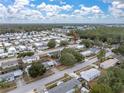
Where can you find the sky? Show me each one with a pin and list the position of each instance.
(61, 11)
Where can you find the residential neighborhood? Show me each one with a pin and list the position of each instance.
(68, 63)
(61, 46)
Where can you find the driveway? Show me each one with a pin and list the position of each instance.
(20, 82)
(40, 83)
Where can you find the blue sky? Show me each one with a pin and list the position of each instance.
(61, 11)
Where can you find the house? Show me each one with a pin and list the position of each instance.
(95, 50)
(11, 76)
(1, 50)
(7, 44)
(49, 64)
(109, 63)
(80, 46)
(12, 50)
(30, 59)
(90, 74)
(38, 45)
(67, 87)
(52, 52)
(109, 54)
(86, 53)
(7, 77)
(17, 73)
(9, 64)
(22, 48)
(3, 55)
(1, 44)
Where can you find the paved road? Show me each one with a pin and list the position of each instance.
(40, 83)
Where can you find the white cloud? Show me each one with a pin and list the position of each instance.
(117, 9)
(51, 0)
(88, 10)
(3, 12)
(26, 11)
(109, 1)
(53, 8)
(20, 10)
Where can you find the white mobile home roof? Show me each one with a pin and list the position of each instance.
(80, 46)
(86, 53)
(1, 51)
(90, 74)
(109, 63)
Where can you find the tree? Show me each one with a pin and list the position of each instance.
(121, 49)
(114, 78)
(22, 65)
(75, 53)
(97, 42)
(51, 43)
(101, 55)
(4, 84)
(63, 43)
(87, 42)
(105, 34)
(109, 40)
(101, 88)
(77, 89)
(67, 59)
(36, 69)
(25, 54)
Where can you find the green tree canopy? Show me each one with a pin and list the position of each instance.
(101, 88)
(101, 54)
(121, 49)
(114, 78)
(51, 43)
(67, 59)
(63, 43)
(25, 54)
(75, 53)
(36, 69)
(87, 42)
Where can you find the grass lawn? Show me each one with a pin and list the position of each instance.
(11, 86)
(83, 69)
(62, 67)
(53, 84)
